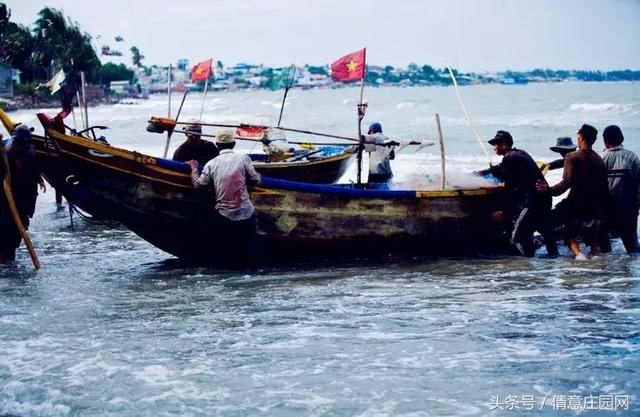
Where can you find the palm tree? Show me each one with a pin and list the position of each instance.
(137, 57)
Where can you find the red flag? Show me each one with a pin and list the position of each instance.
(201, 71)
(349, 67)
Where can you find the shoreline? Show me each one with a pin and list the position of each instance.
(28, 103)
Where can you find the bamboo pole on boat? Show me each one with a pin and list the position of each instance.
(80, 108)
(84, 100)
(166, 145)
(170, 132)
(286, 91)
(466, 113)
(184, 96)
(73, 75)
(204, 96)
(6, 185)
(361, 112)
(286, 129)
(442, 160)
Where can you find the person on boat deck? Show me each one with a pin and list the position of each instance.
(234, 215)
(585, 175)
(623, 170)
(194, 147)
(380, 150)
(564, 145)
(525, 210)
(25, 179)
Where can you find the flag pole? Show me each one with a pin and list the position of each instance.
(361, 112)
(204, 96)
(442, 160)
(286, 91)
(84, 101)
(166, 145)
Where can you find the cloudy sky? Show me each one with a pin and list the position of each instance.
(472, 35)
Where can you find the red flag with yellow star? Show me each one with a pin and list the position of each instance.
(201, 71)
(349, 67)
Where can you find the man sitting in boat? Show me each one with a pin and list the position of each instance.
(275, 146)
(526, 210)
(194, 147)
(234, 216)
(25, 179)
(380, 150)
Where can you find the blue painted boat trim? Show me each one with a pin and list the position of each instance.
(171, 164)
(347, 190)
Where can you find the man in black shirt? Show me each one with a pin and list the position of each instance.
(25, 179)
(195, 147)
(526, 210)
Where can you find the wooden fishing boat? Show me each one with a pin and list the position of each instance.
(317, 167)
(323, 165)
(154, 198)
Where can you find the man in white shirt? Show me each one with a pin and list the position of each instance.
(380, 152)
(230, 173)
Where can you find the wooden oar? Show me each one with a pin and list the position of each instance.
(6, 185)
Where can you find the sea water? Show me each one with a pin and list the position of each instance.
(112, 326)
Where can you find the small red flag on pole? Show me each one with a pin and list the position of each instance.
(201, 71)
(350, 67)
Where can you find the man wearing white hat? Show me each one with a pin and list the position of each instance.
(230, 173)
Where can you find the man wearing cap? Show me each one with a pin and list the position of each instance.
(25, 179)
(380, 153)
(585, 175)
(195, 147)
(623, 168)
(527, 210)
(229, 174)
(564, 145)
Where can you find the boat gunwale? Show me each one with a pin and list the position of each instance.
(267, 182)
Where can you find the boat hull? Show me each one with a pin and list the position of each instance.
(294, 219)
(155, 199)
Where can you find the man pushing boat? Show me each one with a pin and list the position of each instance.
(234, 215)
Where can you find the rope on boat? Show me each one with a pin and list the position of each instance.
(73, 209)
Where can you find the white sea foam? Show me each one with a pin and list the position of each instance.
(600, 107)
(622, 344)
(407, 105)
(153, 374)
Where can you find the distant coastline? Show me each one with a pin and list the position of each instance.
(98, 96)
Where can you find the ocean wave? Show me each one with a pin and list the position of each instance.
(600, 107)
(406, 105)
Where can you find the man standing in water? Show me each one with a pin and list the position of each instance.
(585, 174)
(25, 179)
(234, 215)
(526, 209)
(624, 185)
